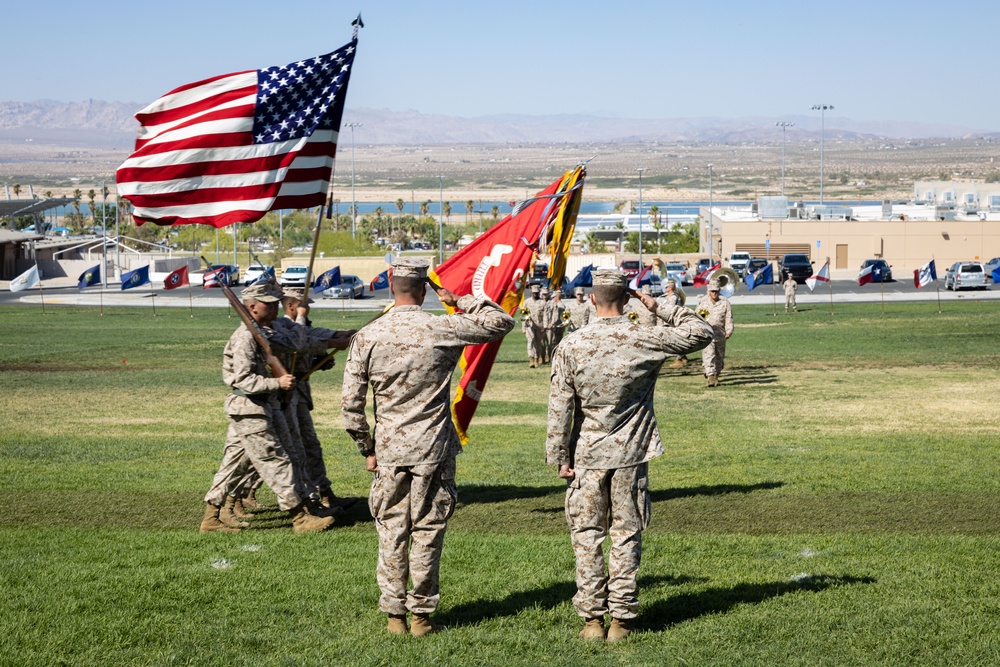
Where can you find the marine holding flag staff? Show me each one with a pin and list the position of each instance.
(408, 357)
(602, 433)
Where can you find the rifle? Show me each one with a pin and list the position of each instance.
(322, 362)
(276, 368)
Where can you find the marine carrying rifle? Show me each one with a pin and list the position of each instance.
(272, 361)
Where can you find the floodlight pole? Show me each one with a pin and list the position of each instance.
(784, 126)
(441, 220)
(640, 170)
(354, 201)
(822, 109)
(711, 220)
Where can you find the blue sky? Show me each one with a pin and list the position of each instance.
(875, 60)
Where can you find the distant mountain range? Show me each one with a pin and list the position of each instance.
(110, 125)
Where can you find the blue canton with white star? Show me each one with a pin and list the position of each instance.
(296, 100)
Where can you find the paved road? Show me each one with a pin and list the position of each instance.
(844, 291)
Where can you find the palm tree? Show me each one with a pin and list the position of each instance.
(447, 211)
(594, 242)
(620, 226)
(47, 194)
(399, 208)
(425, 207)
(17, 190)
(654, 218)
(469, 205)
(91, 196)
(495, 211)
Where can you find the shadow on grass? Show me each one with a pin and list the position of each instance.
(661, 495)
(748, 375)
(478, 493)
(712, 490)
(547, 597)
(663, 614)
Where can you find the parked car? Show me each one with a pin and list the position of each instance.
(965, 274)
(294, 276)
(991, 266)
(350, 287)
(679, 273)
(631, 267)
(738, 262)
(704, 264)
(540, 275)
(754, 265)
(881, 270)
(255, 271)
(797, 266)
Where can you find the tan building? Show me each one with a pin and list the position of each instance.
(905, 235)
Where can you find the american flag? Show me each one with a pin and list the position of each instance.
(231, 148)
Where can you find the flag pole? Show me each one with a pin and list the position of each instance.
(881, 283)
(937, 285)
(153, 295)
(102, 299)
(190, 299)
(830, 282)
(41, 293)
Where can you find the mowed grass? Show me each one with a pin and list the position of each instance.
(835, 502)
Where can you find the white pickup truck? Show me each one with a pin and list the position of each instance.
(738, 262)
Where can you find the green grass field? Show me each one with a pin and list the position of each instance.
(835, 502)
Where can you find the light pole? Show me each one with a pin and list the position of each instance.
(784, 126)
(711, 221)
(441, 220)
(354, 201)
(822, 109)
(640, 170)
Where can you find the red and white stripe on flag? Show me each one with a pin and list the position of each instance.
(823, 276)
(233, 147)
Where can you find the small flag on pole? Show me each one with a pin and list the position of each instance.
(214, 277)
(866, 276)
(91, 276)
(822, 277)
(135, 278)
(327, 280)
(925, 275)
(381, 281)
(639, 279)
(763, 276)
(176, 278)
(702, 278)
(26, 280)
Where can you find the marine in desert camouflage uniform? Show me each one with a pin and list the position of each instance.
(716, 310)
(602, 433)
(408, 357)
(581, 310)
(252, 439)
(790, 288)
(555, 322)
(672, 298)
(531, 326)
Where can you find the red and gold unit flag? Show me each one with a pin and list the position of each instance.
(496, 266)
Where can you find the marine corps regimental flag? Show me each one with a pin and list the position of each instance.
(495, 266)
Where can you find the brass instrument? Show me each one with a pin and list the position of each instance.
(680, 295)
(728, 281)
(633, 317)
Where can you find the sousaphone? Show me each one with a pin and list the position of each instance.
(729, 282)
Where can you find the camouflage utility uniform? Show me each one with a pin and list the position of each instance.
(581, 313)
(252, 438)
(601, 424)
(531, 325)
(408, 356)
(720, 316)
(790, 287)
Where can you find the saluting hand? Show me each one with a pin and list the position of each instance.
(447, 297)
(648, 301)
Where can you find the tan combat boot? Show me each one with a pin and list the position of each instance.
(239, 511)
(304, 522)
(593, 628)
(330, 499)
(532, 362)
(619, 630)
(211, 523)
(421, 625)
(227, 517)
(397, 625)
(250, 502)
(679, 363)
(713, 380)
